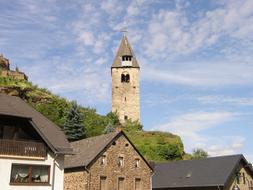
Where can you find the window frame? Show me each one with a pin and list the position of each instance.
(30, 183)
(121, 161)
(137, 162)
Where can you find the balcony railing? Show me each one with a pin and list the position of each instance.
(22, 148)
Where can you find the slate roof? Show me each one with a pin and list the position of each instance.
(213, 171)
(50, 132)
(124, 49)
(87, 150)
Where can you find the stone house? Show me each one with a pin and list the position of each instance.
(214, 173)
(32, 148)
(106, 162)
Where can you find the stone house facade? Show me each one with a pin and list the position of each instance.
(106, 162)
(125, 83)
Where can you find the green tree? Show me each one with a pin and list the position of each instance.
(132, 126)
(73, 127)
(109, 128)
(199, 153)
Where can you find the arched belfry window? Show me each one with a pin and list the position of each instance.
(125, 78)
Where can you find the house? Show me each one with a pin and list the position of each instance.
(106, 162)
(216, 173)
(32, 148)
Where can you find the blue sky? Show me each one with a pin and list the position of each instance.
(196, 60)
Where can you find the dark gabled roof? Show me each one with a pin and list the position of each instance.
(50, 133)
(87, 150)
(213, 171)
(124, 49)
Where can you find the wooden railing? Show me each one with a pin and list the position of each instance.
(22, 148)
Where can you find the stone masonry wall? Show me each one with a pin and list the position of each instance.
(112, 171)
(243, 186)
(126, 96)
(75, 180)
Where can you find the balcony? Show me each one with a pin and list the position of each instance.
(13, 148)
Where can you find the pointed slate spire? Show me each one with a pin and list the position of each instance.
(125, 49)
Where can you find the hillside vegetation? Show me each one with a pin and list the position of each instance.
(155, 146)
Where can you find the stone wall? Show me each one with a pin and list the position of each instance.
(126, 96)
(111, 171)
(243, 184)
(14, 74)
(75, 180)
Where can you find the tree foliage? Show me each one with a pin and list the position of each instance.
(73, 126)
(156, 146)
(199, 153)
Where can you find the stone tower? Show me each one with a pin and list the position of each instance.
(125, 83)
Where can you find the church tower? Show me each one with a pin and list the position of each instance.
(125, 83)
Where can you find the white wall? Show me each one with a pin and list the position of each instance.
(56, 173)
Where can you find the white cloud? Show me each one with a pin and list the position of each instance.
(226, 99)
(195, 122)
(201, 74)
(183, 36)
(86, 37)
(225, 145)
(112, 7)
(191, 127)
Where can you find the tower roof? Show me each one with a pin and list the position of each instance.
(124, 49)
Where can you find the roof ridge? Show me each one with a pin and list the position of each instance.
(192, 160)
(95, 137)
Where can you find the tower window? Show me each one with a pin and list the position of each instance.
(125, 78)
(125, 117)
(126, 58)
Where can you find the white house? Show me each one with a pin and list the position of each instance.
(32, 148)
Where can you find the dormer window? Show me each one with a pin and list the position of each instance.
(126, 60)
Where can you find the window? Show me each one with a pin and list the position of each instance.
(126, 58)
(103, 184)
(125, 78)
(121, 161)
(243, 178)
(103, 160)
(137, 184)
(121, 185)
(238, 176)
(125, 117)
(30, 174)
(137, 162)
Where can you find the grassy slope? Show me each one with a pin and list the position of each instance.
(156, 146)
